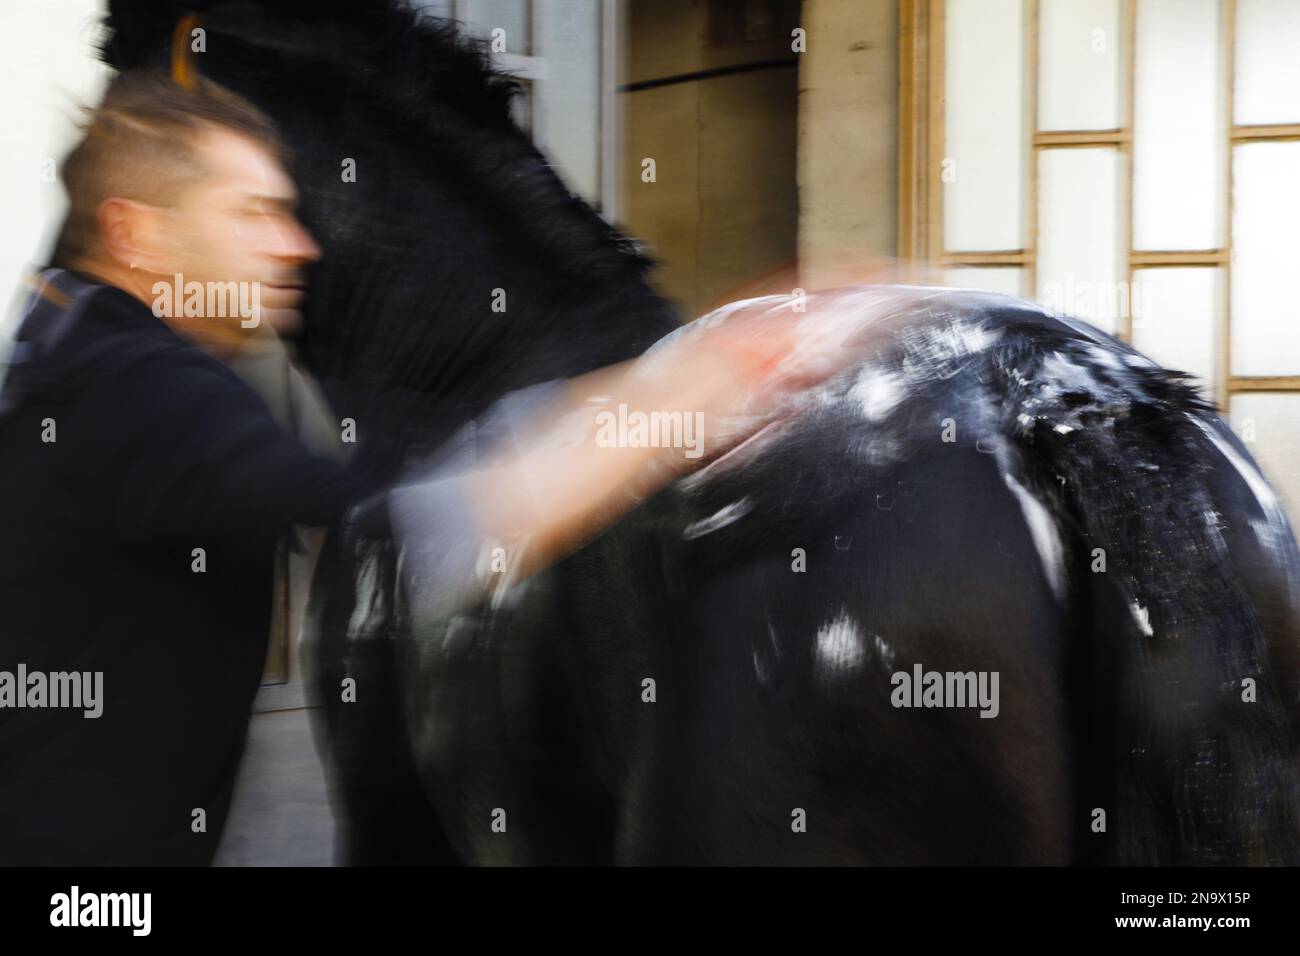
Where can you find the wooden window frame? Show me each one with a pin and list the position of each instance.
(921, 153)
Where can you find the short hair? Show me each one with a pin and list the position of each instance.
(141, 143)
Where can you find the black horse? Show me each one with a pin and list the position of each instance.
(747, 668)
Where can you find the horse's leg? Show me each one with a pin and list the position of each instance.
(383, 816)
(774, 738)
(495, 713)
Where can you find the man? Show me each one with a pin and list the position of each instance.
(144, 485)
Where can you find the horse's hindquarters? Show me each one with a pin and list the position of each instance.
(792, 721)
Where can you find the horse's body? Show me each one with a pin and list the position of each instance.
(995, 492)
(1091, 533)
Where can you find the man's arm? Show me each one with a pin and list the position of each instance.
(555, 484)
(188, 450)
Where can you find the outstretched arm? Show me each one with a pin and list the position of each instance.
(563, 481)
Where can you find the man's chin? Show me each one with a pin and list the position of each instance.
(282, 321)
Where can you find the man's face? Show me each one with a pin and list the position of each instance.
(238, 225)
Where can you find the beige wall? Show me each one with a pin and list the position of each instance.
(724, 206)
(754, 168)
(848, 135)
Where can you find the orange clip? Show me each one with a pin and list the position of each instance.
(184, 73)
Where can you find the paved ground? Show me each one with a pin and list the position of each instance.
(280, 815)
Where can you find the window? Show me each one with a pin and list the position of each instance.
(563, 51)
(1130, 162)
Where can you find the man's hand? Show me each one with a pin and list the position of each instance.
(734, 371)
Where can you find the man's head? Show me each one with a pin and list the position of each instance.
(171, 182)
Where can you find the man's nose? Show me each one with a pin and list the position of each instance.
(296, 243)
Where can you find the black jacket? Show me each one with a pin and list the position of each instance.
(158, 450)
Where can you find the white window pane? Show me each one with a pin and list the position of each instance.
(1269, 424)
(573, 79)
(1005, 279)
(1079, 270)
(1178, 133)
(984, 125)
(1176, 319)
(1079, 64)
(1265, 256)
(512, 16)
(1267, 62)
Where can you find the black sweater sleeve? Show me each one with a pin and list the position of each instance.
(188, 449)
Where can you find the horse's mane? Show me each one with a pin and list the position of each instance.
(139, 35)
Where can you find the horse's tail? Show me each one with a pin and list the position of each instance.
(1190, 581)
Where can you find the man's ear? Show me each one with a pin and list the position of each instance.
(132, 234)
